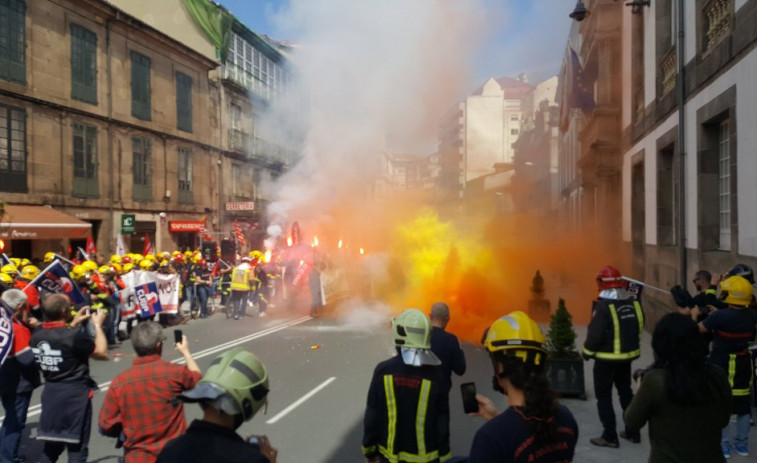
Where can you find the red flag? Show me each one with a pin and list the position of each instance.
(90, 246)
(204, 232)
(148, 247)
(238, 233)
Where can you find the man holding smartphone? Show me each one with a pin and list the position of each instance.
(138, 407)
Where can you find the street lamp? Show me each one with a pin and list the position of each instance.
(580, 12)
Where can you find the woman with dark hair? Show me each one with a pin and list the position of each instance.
(685, 399)
(535, 428)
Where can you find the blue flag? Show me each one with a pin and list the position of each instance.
(6, 331)
(146, 299)
(55, 279)
(5, 260)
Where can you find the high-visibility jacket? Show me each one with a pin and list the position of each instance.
(615, 330)
(240, 278)
(406, 414)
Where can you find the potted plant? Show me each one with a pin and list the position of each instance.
(564, 367)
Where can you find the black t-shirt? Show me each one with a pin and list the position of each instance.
(508, 438)
(204, 442)
(62, 353)
(733, 329)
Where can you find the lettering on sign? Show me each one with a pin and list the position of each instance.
(240, 206)
(142, 299)
(18, 234)
(47, 358)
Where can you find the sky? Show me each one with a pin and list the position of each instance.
(522, 35)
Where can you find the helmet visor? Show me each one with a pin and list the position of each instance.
(417, 357)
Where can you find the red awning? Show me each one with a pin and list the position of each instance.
(40, 223)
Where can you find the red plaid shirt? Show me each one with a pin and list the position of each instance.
(139, 403)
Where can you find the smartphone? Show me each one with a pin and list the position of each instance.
(468, 391)
(178, 336)
(253, 441)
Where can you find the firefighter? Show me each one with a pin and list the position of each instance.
(6, 282)
(733, 329)
(242, 283)
(407, 408)
(613, 340)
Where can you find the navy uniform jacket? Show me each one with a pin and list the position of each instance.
(446, 346)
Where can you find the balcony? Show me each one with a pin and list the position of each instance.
(244, 80)
(717, 24)
(669, 68)
(240, 141)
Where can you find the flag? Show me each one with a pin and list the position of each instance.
(81, 255)
(146, 299)
(203, 231)
(6, 331)
(6, 260)
(238, 234)
(148, 247)
(120, 247)
(55, 280)
(90, 246)
(573, 89)
(295, 234)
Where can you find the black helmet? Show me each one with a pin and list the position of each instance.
(743, 270)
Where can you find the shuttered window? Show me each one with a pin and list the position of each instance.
(140, 86)
(141, 167)
(13, 40)
(185, 176)
(12, 149)
(83, 64)
(85, 160)
(183, 102)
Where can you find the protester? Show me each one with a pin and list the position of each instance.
(202, 282)
(535, 428)
(410, 389)
(62, 353)
(733, 328)
(613, 340)
(685, 399)
(138, 403)
(446, 346)
(233, 390)
(18, 376)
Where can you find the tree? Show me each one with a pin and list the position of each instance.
(561, 338)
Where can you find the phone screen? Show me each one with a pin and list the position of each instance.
(177, 336)
(468, 391)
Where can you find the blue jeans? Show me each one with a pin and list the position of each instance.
(203, 291)
(742, 432)
(15, 406)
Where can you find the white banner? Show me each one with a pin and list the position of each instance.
(168, 290)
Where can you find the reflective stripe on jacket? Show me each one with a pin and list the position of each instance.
(615, 331)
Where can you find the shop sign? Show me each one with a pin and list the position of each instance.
(186, 226)
(240, 206)
(128, 223)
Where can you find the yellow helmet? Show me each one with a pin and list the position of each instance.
(6, 279)
(90, 265)
(175, 253)
(79, 271)
(145, 264)
(117, 268)
(196, 257)
(736, 290)
(29, 272)
(24, 262)
(49, 257)
(164, 255)
(128, 267)
(115, 259)
(187, 254)
(516, 334)
(105, 270)
(10, 269)
(150, 257)
(137, 258)
(16, 261)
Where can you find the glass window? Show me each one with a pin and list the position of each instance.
(183, 102)
(724, 184)
(85, 160)
(13, 40)
(141, 166)
(83, 64)
(140, 86)
(185, 176)
(12, 149)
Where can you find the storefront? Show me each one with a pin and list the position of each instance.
(31, 231)
(186, 233)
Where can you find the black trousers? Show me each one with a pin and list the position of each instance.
(607, 374)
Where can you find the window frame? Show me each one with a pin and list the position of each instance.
(725, 180)
(86, 185)
(14, 179)
(13, 70)
(141, 91)
(83, 64)
(183, 102)
(141, 149)
(185, 174)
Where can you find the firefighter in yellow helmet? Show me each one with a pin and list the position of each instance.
(115, 259)
(733, 329)
(9, 269)
(407, 388)
(6, 282)
(49, 257)
(535, 423)
(242, 283)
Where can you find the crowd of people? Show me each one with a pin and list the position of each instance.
(702, 374)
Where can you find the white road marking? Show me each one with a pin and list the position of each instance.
(300, 401)
(37, 409)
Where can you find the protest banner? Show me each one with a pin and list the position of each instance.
(55, 279)
(6, 331)
(146, 299)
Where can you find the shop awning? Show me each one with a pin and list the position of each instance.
(40, 223)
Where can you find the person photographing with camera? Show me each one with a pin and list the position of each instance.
(62, 349)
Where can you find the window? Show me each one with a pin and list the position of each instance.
(185, 176)
(236, 180)
(236, 117)
(252, 69)
(724, 185)
(12, 149)
(183, 102)
(514, 118)
(13, 40)
(85, 160)
(513, 131)
(83, 64)
(141, 167)
(140, 86)
(667, 196)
